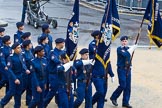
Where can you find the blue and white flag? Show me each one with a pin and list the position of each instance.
(110, 29)
(72, 32)
(152, 15)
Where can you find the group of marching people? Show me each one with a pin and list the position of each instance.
(45, 72)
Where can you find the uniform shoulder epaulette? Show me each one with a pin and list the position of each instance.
(2, 47)
(32, 59)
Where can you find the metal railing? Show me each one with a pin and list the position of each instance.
(132, 4)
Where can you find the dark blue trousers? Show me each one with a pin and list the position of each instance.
(14, 90)
(4, 79)
(82, 94)
(99, 96)
(124, 86)
(53, 89)
(37, 100)
(27, 86)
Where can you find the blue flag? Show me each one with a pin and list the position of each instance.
(72, 32)
(152, 15)
(110, 29)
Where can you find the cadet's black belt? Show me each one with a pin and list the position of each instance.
(82, 80)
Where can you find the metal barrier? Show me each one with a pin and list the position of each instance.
(132, 4)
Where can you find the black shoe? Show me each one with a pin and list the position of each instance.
(114, 102)
(127, 106)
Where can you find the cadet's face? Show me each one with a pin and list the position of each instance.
(124, 42)
(62, 45)
(2, 34)
(30, 45)
(21, 28)
(8, 42)
(85, 56)
(46, 40)
(17, 49)
(41, 53)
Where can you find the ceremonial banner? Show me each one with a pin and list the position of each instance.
(110, 29)
(152, 15)
(72, 32)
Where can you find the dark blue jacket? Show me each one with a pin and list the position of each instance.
(54, 60)
(92, 49)
(123, 56)
(17, 36)
(16, 65)
(27, 54)
(46, 50)
(5, 52)
(39, 70)
(83, 72)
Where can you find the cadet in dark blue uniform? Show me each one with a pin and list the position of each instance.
(124, 74)
(15, 66)
(18, 34)
(83, 67)
(46, 31)
(5, 52)
(54, 61)
(98, 73)
(38, 70)
(44, 42)
(28, 56)
(62, 71)
(93, 45)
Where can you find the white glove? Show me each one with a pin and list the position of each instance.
(92, 62)
(86, 62)
(131, 49)
(71, 63)
(112, 79)
(68, 65)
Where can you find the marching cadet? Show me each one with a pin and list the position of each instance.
(124, 73)
(84, 88)
(99, 76)
(93, 45)
(54, 61)
(63, 70)
(38, 70)
(28, 56)
(18, 34)
(5, 52)
(46, 31)
(44, 43)
(15, 67)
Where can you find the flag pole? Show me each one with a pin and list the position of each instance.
(137, 38)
